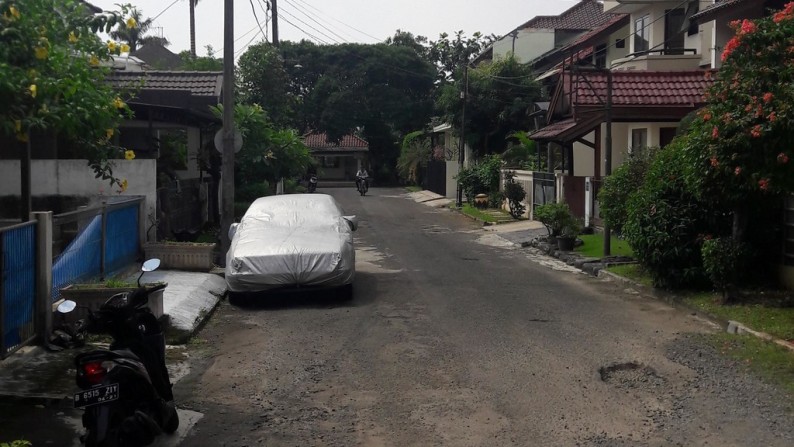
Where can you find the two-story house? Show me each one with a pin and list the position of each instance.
(642, 81)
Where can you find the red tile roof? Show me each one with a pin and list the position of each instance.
(713, 10)
(197, 83)
(640, 88)
(587, 14)
(348, 142)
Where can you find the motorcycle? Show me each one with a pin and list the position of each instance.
(362, 185)
(126, 391)
(312, 183)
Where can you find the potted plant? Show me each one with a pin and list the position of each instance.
(567, 238)
(555, 217)
(182, 255)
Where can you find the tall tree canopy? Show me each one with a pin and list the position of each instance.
(380, 92)
(135, 36)
(499, 97)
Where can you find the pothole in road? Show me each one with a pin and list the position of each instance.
(631, 375)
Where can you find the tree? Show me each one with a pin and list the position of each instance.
(449, 55)
(134, 35)
(500, 95)
(268, 153)
(201, 63)
(263, 80)
(414, 154)
(742, 141)
(52, 79)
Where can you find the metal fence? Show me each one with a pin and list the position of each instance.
(543, 189)
(93, 242)
(17, 286)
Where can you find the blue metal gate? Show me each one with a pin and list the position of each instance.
(17, 286)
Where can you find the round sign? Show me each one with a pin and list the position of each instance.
(238, 141)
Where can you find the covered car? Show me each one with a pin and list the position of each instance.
(291, 240)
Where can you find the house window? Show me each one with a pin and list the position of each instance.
(642, 33)
(639, 139)
(673, 31)
(691, 25)
(600, 56)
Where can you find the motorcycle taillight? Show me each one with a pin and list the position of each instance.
(94, 372)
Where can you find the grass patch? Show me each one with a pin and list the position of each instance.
(413, 188)
(594, 246)
(476, 213)
(761, 316)
(634, 272)
(772, 362)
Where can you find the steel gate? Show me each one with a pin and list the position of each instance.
(543, 188)
(17, 287)
(436, 179)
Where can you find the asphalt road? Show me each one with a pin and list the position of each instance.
(454, 339)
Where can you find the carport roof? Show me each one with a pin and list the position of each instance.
(319, 142)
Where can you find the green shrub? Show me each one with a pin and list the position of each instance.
(617, 188)
(251, 191)
(666, 223)
(555, 217)
(481, 178)
(725, 263)
(515, 194)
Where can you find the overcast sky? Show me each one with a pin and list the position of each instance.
(336, 21)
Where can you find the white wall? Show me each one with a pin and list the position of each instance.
(530, 43)
(584, 157)
(452, 183)
(76, 178)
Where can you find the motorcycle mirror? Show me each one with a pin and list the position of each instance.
(66, 306)
(150, 265)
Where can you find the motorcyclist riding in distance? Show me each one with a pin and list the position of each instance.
(362, 175)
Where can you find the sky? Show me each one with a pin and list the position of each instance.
(335, 21)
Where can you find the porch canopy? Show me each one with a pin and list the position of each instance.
(338, 160)
(579, 102)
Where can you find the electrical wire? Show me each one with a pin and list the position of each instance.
(339, 21)
(283, 11)
(166, 9)
(301, 10)
(253, 9)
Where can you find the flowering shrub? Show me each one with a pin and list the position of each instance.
(51, 78)
(744, 138)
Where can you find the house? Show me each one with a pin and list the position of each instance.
(158, 57)
(543, 34)
(670, 50)
(338, 160)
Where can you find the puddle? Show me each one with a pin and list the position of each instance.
(631, 375)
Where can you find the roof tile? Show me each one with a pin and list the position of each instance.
(585, 15)
(645, 88)
(320, 141)
(198, 83)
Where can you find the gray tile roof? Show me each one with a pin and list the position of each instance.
(197, 83)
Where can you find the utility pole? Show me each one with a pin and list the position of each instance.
(463, 95)
(608, 157)
(227, 169)
(274, 13)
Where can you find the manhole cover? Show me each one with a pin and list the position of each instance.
(631, 375)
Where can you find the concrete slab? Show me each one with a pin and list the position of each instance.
(189, 297)
(520, 225)
(424, 196)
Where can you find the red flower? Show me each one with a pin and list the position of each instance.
(732, 45)
(748, 27)
(782, 158)
(715, 133)
(706, 116)
(772, 117)
(768, 97)
(714, 162)
(763, 184)
(738, 170)
(756, 132)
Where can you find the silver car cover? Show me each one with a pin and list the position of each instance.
(291, 240)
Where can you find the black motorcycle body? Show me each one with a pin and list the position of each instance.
(125, 390)
(362, 185)
(312, 183)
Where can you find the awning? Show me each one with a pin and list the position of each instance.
(567, 130)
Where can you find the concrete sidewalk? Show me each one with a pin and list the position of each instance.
(430, 198)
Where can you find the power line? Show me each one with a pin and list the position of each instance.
(306, 32)
(343, 23)
(310, 26)
(309, 15)
(253, 9)
(166, 9)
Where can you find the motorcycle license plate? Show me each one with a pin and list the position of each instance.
(96, 395)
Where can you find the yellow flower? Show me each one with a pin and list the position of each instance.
(42, 53)
(123, 186)
(72, 37)
(111, 46)
(131, 23)
(12, 14)
(94, 60)
(129, 155)
(270, 154)
(109, 133)
(18, 126)
(118, 103)
(22, 137)
(32, 89)
(125, 48)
